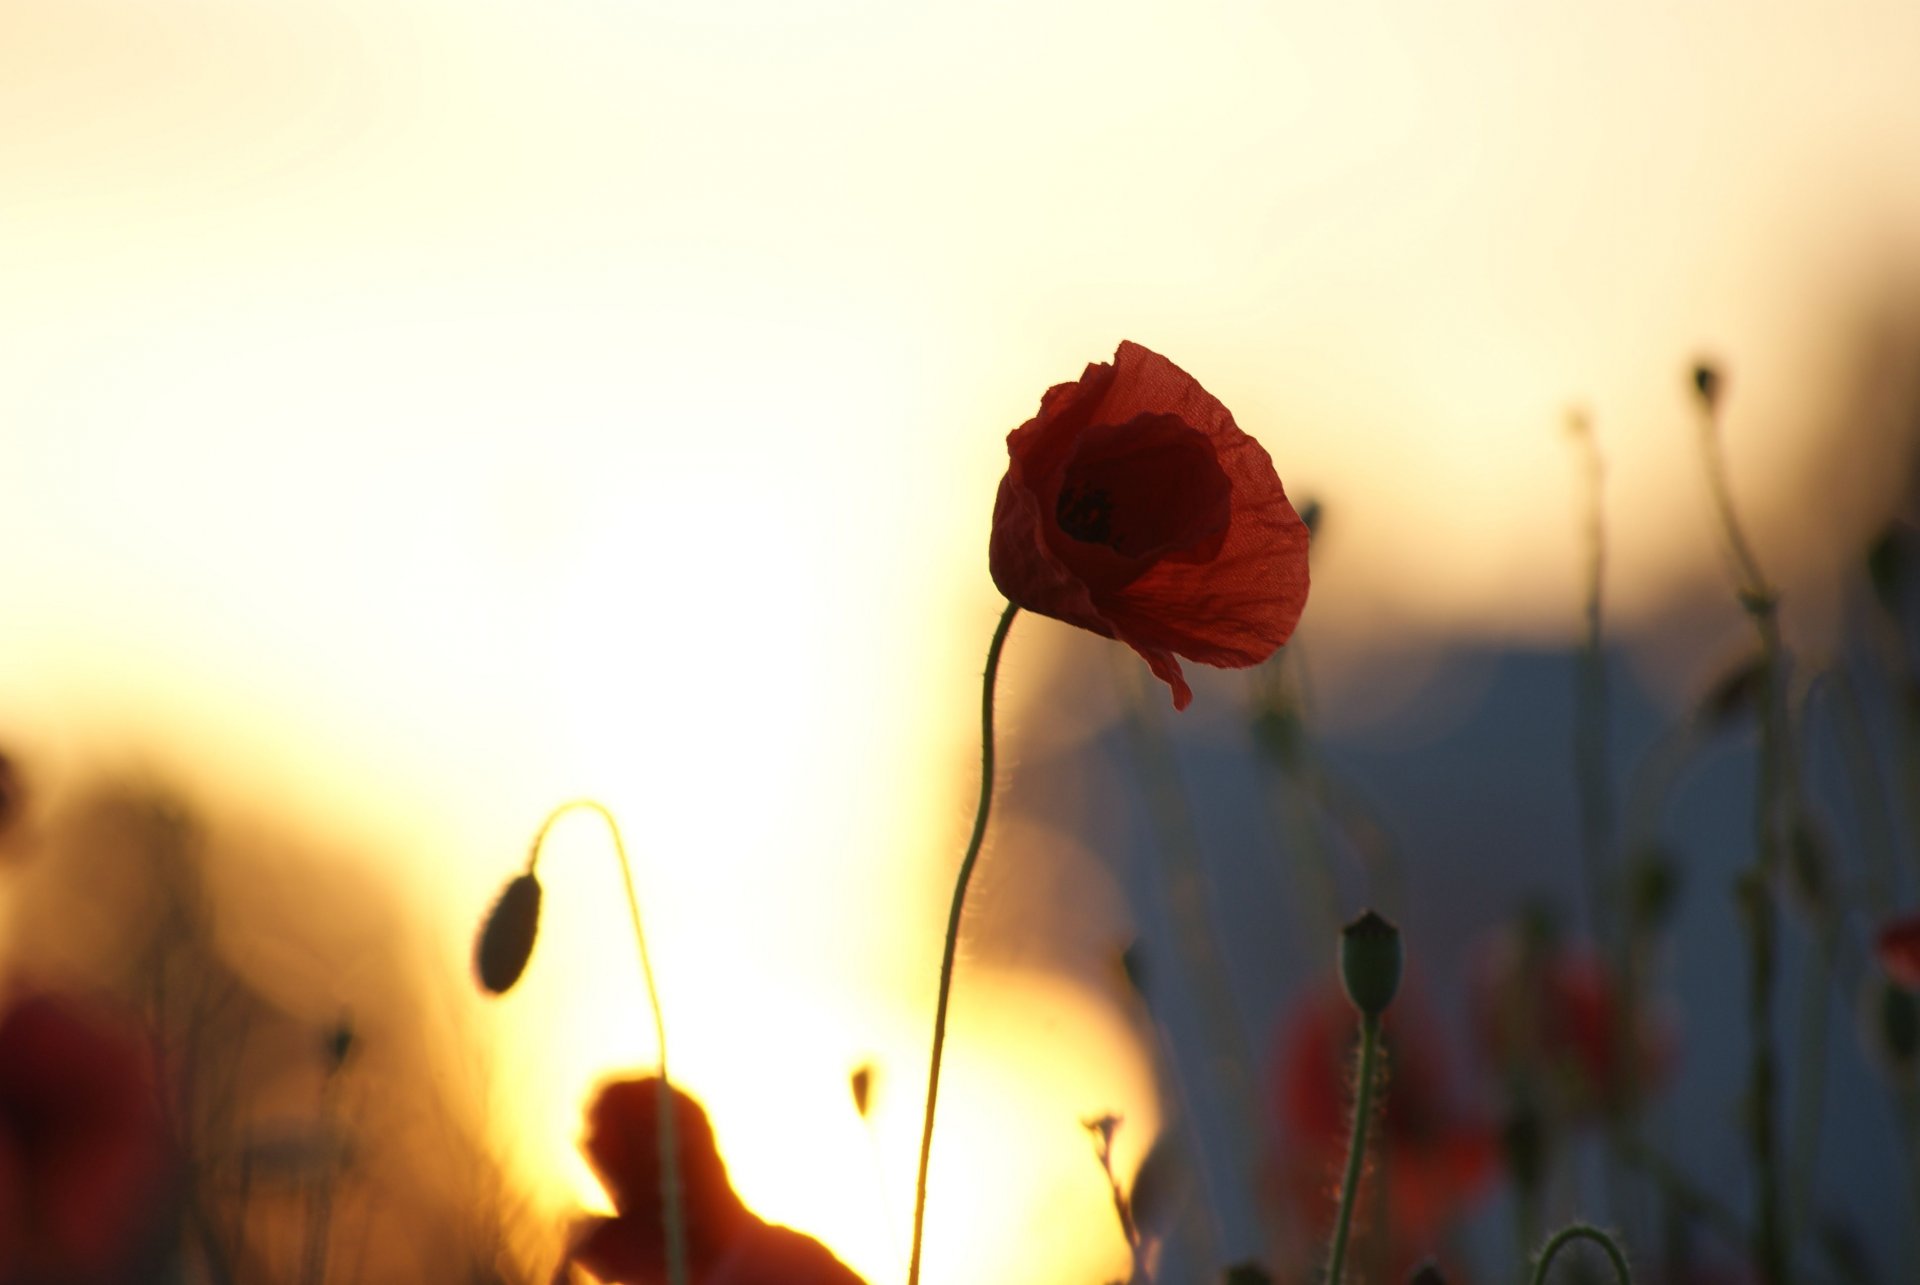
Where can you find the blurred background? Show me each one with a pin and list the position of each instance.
(415, 415)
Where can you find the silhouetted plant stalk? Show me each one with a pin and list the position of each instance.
(1581, 1231)
(1755, 890)
(1370, 961)
(952, 944)
(1591, 733)
(501, 955)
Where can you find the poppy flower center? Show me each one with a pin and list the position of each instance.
(1146, 488)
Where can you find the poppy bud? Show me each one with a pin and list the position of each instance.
(1888, 565)
(1428, 1274)
(1708, 384)
(1246, 1274)
(1310, 512)
(1370, 963)
(861, 1082)
(506, 939)
(1891, 1017)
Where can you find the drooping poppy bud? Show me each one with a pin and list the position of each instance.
(1246, 1274)
(1370, 963)
(861, 1082)
(1708, 383)
(506, 939)
(1428, 1273)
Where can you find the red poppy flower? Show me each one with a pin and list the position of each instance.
(1552, 1012)
(81, 1143)
(1899, 950)
(726, 1243)
(1135, 507)
(1437, 1157)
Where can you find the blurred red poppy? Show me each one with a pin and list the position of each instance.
(726, 1243)
(1552, 1013)
(82, 1143)
(1437, 1155)
(1134, 506)
(1899, 950)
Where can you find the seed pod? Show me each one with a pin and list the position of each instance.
(506, 939)
(1370, 963)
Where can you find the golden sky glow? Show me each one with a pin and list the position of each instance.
(424, 412)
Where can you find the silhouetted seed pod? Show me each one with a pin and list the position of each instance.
(861, 1082)
(1428, 1273)
(1888, 566)
(1246, 1274)
(1370, 963)
(1310, 512)
(506, 939)
(1708, 383)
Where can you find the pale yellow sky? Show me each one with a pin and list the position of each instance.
(450, 409)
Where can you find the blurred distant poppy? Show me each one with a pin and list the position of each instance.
(1551, 1012)
(726, 1243)
(1134, 506)
(82, 1143)
(1899, 950)
(1437, 1156)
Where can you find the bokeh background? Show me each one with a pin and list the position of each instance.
(413, 415)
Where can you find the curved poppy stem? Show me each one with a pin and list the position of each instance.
(1581, 1231)
(1356, 1147)
(672, 1200)
(953, 928)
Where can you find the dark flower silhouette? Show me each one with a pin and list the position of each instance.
(726, 1243)
(82, 1143)
(1134, 506)
(1436, 1155)
(1899, 949)
(1551, 1012)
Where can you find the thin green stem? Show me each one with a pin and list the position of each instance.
(952, 946)
(1356, 1147)
(1581, 1231)
(672, 1199)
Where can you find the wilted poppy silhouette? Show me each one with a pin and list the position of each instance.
(1134, 506)
(1437, 1156)
(82, 1143)
(1899, 949)
(726, 1243)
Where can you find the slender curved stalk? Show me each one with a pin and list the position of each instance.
(1356, 1147)
(672, 1199)
(951, 949)
(1581, 1231)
